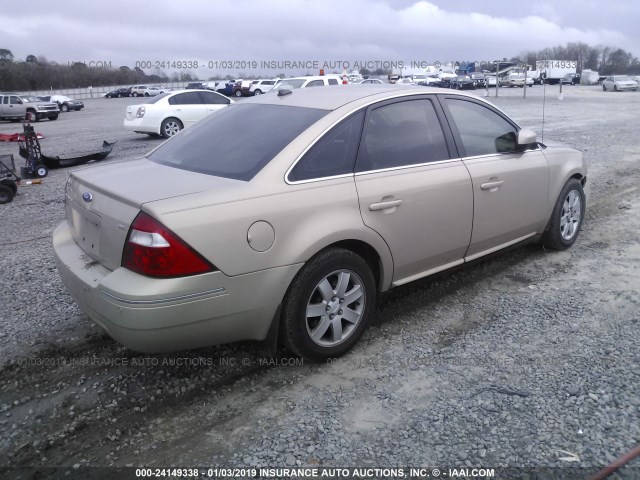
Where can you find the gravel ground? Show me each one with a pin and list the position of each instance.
(526, 360)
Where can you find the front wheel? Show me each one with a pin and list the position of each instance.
(238, 93)
(257, 92)
(64, 107)
(328, 305)
(567, 217)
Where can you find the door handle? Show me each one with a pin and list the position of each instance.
(491, 185)
(384, 205)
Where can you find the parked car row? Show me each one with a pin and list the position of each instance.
(137, 91)
(65, 104)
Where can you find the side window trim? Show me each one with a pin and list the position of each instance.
(454, 129)
(440, 114)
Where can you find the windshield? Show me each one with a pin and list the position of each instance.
(30, 99)
(290, 83)
(233, 143)
(622, 78)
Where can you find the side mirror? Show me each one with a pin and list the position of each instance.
(526, 137)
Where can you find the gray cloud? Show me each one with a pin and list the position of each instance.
(125, 32)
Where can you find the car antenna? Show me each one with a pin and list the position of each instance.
(544, 98)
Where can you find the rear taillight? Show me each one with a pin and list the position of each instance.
(153, 250)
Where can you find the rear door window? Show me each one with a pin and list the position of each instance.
(400, 134)
(187, 98)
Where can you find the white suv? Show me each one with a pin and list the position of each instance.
(258, 87)
(305, 82)
(147, 90)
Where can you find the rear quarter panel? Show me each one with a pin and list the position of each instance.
(305, 218)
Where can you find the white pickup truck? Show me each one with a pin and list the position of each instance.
(16, 107)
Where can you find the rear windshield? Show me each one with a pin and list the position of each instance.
(156, 98)
(238, 141)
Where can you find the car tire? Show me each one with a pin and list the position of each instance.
(146, 94)
(34, 116)
(41, 171)
(6, 194)
(604, 88)
(258, 92)
(324, 285)
(134, 94)
(237, 93)
(53, 117)
(170, 127)
(11, 184)
(567, 217)
(615, 88)
(119, 95)
(64, 107)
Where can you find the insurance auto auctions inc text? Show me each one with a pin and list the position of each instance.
(375, 472)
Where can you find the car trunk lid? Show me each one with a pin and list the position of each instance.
(102, 202)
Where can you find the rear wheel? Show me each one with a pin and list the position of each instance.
(328, 305)
(238, 93)
(6, 194)
(170, 127)
(257, 92)
(567, 217)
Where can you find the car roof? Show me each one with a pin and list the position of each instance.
(334, 97)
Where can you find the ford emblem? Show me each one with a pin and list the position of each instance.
(87, 197)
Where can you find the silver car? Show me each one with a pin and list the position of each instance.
(228, 232)
(618, 83)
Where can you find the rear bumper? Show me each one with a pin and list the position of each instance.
(141, 125)
(151, 315)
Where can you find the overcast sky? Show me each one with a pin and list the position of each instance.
(212, 31)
